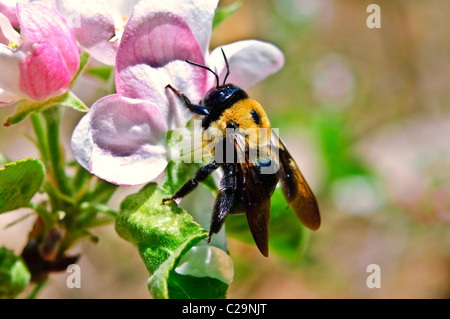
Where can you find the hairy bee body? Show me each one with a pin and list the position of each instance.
(250, 149)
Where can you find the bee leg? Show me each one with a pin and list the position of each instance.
(224, 200)
(197, 109)
(191, 184)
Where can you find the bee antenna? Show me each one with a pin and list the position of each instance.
(206, 68)
(228, 66)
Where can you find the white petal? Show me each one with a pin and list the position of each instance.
(250, 62)
(129, 170)
(122, 141)
(81, 142)
(207, 261)
(9, 68)
(93, 25)
(7, 98)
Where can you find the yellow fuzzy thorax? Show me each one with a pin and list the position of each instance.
(241, 114)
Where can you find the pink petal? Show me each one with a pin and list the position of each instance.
(197, 14)
(93, 25)
(122, 141)
(42, 23)
(152, 54)
(251, 61)
(43, 73)
(160, 40)
(7, 32)
(8, 8)
(145, 82)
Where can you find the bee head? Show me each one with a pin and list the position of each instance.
(222, 97)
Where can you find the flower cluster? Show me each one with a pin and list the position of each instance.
(141, 46)
(40, 62)
(122, 138)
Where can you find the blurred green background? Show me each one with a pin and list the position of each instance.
(365, 114)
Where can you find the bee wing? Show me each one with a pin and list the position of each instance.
(295, 188)
(256, 190)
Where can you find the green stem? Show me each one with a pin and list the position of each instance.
(100, 208)
(56, 194)
(81, 178)
(40, 135)
(101, 193)
(44, 213)
(53, 119)
(37, 289)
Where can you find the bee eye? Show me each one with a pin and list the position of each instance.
(255, 117)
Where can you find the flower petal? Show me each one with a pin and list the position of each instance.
(93, 25)
(144, 82)
(122, 141)
(152, 55)
(7, 32)
(161, 40)
(43, 73)
(250, 61)
(9, 66)
(42, 23)
(8, 8)
(7, 98)
(198, 15)
(81, 142)
(207, 261)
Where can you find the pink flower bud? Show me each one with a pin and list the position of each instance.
(42, 62)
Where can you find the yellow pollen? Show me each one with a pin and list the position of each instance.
(13, 45)
(124, 20)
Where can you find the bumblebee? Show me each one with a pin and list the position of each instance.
(246, 186)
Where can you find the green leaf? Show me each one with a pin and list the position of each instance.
(4, 159)
(25, 107)
(336, 140)
(163, 234)
(177, 173)
(157, 230)
(287, 236)
(222, 13)
(19, 181)
(189, 287)
(204, 272)
(200, 202)
(103, 72)
(84, 59)
(14, 275)
(72, 101)
(209, 260)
